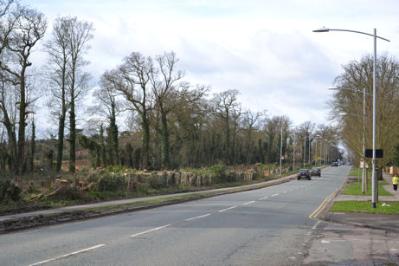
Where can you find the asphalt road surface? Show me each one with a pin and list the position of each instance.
(269, 226)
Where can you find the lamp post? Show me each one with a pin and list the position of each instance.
(316, 138)
(374, 196)
(293, 152)
(281, 150)
(364, 179)
(309, 146)
(304, 151)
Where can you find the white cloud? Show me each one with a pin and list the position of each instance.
(265, 49)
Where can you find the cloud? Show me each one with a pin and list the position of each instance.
(265, 49)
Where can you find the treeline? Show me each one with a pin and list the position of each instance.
(172, 123)
(347, 106)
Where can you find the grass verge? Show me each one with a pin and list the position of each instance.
(355, 188)
(365, 207)
(355, 171)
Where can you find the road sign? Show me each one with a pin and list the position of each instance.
(379, 153)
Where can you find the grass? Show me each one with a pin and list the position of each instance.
(356, 171)
(365, 207)
(355, 188)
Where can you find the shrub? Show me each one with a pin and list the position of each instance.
(218, 170)
(156, 181)
(67, 193)
(9, 191)
(112, 182)
(143, 188)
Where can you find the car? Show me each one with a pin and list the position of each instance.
(334, 164)
(304, 173)
(316, 171)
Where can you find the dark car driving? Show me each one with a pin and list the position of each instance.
(304, 173)
(334, 164)
(316, 171)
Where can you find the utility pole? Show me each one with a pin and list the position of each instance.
(310, 157)
(364, 180)
(281, 149)
(304, 151)
(374, 182)
(315, 152)
(293, 152)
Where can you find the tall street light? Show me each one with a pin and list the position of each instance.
(374, 196)
(317, 137)
(281, 150)
(293, 152)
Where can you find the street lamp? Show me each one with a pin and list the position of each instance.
(293, 152)
(317, 137)
(374, 196)
(281, 150)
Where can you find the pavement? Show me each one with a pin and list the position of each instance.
(355, 238)
(388, 223)
(344, 244)
(266, 226)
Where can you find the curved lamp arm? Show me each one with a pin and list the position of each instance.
(354, 31)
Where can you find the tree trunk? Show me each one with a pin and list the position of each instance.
(102, 147)
(165, 140)
(12, 141)
(33, 147)
(60, 141)
(72, 136)
(22, 124)
(61, 123)
(114, 136)
(146, 141)
(227, 140)
(72, 119)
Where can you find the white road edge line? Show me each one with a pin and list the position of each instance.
(229, 208)
(150, 230)
(247, 203)
(274, 195)
(67, 255)
(197, 217)
(315, 225)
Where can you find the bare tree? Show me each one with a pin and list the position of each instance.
(249, 123)
(59, 72)
(29, 29)
(226, 105)
(8, 111)
(132, 80)
(111, 106)
(347, 105)
(80, 33)
(165, 85)
(5, 6)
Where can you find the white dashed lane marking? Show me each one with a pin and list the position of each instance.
(229, 208)
(247, 203)
(150, 230)
(68, 255)
(197, 217)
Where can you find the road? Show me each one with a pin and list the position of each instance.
(269, 226)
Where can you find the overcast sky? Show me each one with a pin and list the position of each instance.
(264, 49)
